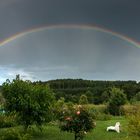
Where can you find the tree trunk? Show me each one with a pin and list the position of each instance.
(75, 136)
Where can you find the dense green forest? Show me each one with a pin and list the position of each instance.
(97, 92)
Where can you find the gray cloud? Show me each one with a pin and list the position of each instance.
(70, 53)
(120, 16)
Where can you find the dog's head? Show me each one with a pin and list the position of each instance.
(117, 124)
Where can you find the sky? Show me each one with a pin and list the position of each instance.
(65, 47)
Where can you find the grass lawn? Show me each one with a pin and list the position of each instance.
(99, 133)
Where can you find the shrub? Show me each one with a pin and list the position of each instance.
(128, 109)
(7, 121)
(98, 112)
(14, 134)
(100, 108)
(76, 120)
(58, 107)
(134, 123)
(117, 99)
(83, 100)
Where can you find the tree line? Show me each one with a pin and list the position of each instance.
(97, 92)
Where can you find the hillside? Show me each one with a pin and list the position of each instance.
(96, 91)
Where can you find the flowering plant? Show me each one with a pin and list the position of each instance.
(76, 120)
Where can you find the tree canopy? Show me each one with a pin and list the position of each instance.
(30, 102)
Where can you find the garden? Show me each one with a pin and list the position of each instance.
(31, 112)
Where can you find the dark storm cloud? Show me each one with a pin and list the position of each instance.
(69, 53)
(121, 15)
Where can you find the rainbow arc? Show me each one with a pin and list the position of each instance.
(83, 27)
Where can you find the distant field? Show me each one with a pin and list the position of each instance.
(99, 133)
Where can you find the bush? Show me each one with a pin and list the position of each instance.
(76, 120)
(83, 100)
(14, 134)
(100, 108)
(134, 123)
(98, 112)
(7, 121)
(58, 107)
(128, 109)
(117, 99)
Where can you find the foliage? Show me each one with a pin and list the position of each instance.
(76, 120)
(58, 107)
(97, 115)
(89, 95)
(83, 100)
(128, 109)
(7, 120)
(134, 123)
(14, 134)
(117, 99)
(136, 99)
(97, 92)
(1, 100)
(98, 112)
(106, 95)
(30, 102)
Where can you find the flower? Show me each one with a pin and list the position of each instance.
(78, 112)
(68, 118)
(85, 132)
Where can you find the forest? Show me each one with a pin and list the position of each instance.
(97, 92)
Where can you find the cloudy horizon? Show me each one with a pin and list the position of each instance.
(70, 52)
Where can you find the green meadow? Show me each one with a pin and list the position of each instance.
(52, 131)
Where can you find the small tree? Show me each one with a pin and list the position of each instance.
(106, 95)
(58, 107)
(29, 102)
(76, 120)
(83, 100)
(89, 95)
(117, 99)
(136, 98)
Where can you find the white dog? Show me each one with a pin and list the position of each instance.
(114, 128)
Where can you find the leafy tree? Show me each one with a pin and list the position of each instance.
(83, 100)
(105, 97)
(30, 102)
(117, 99)
(89, 95)
(136, 98)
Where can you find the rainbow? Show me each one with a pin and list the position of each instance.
(84, 27)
